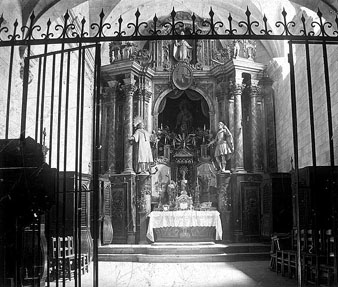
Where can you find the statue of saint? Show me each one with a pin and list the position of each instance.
(144, 157)
(182, 50)
(184, 118)
(224, 146)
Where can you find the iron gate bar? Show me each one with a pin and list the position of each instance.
(43, 92)
(58, 168)
(9, 88)
(296, 161)
(309, 84)
(52, 110)
(24, 99)
(133, 32)
(37, 110)
(76, 205)
(81, 144)
(96, 161)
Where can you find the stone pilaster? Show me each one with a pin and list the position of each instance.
(129, 90)
(238, 129)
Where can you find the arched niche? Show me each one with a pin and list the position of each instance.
(174, 98)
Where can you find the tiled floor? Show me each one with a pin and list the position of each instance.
(236, 274)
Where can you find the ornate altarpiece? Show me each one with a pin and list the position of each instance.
(182, 89)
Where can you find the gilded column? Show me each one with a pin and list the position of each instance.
(112, 128)
(238, 129)
(255, 127)
(129, 90)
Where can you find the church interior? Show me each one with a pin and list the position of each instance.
(138, 123)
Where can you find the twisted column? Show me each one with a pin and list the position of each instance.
(129, 90)
(238, 128)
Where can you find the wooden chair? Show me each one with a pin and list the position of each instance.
(63, 259)
(326, 268)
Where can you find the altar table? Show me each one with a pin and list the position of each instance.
(184, 218)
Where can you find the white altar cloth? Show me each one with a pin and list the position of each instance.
(184, 218)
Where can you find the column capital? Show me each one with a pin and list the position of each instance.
(255, 89)
(129, 89)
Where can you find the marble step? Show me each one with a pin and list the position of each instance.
(185, 252)
(175, 258)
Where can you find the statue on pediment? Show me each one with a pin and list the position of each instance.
(182, 51)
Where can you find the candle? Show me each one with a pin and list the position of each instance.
(161, 127)
(204, 127)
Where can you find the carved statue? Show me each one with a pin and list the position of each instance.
(143, 137)
(182, 50)
(224, 146)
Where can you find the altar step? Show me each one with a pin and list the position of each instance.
(185, 252)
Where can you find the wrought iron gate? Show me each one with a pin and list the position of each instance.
(66, 146)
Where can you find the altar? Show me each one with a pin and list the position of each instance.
(184, 225)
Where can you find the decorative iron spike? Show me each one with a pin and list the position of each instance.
(319, 13)
(155, 31)
(247, 12)
(137, 14)
(173, 13)
(83, 33)
(102, 14)
(211, 13)
(14, 35)
(120, 20)
(32, 17)
(120, 33)
(66, 16)
(47, 34)
(230, 30)
(266, 31)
